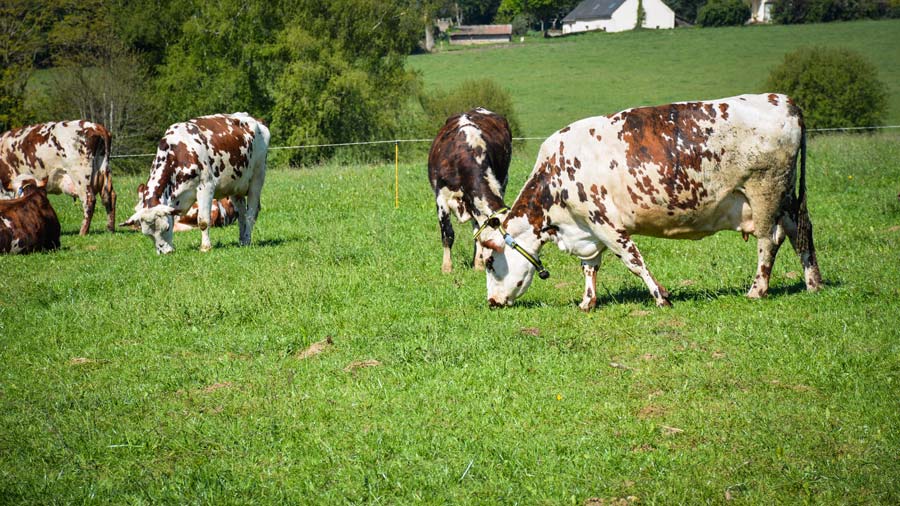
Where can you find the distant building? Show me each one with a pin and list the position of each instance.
(761, 11)
(617, 16)
(481, 34)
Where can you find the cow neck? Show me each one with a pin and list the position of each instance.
(522, 239)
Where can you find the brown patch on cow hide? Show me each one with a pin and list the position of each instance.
(564, 130)
(773, 99)
(723, 109)
(670, 138)
(316, 348)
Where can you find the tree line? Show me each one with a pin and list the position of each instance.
(317, 71)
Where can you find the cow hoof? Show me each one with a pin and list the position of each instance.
(446, 269)
(663, 303)
(205, 248)
(587, 307)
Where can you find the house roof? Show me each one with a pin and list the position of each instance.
(482, 30)
(593, 9)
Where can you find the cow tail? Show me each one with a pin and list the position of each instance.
(104, 164)
(804, 227)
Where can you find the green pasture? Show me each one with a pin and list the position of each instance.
(558, 81)
(129, 378)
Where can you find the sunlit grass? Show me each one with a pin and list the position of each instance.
(129, 378)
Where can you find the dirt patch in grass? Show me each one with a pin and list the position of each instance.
(360, 364)
(530, 331)
(81, 361)
(612, 501)
(670, 431)
(651, 411)
(216, 386)
(316, 348)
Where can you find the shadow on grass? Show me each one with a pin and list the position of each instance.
(642, 295)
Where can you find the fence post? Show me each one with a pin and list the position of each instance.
(396, 175)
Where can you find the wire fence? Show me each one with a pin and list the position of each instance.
(407, 141)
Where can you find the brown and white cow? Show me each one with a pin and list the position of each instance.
(221, 214)
(467, 167)
(74, 155)
(684, 170)
(198, 160)
(28, 222)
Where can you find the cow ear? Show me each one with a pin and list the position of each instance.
(491, 239)
(133, 221)
(141, 189)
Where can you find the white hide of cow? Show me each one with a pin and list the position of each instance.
(222, 155)
(683, 170)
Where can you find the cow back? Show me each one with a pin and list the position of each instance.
(28, 223)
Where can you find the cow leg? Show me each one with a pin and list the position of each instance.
(589, 299)
(204, 209)
(447, 234)
(108, 196)
(90, 201)
(253, 205)
(240, 209)
(627, 251)
(805, 250)
(766, 247)
(478, 255)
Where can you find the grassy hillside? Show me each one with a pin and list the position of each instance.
(556, 82)
(129, 378)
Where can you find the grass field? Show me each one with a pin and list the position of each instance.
(556, 82)
(128, 378)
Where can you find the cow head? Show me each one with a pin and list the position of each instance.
(156, 222)
(509, 270)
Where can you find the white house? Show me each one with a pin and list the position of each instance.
(617, 16)
(761, 11)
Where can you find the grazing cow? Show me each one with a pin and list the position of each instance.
(684, 170)
(28, 223)
(221, 214)
(74, 155)
(198, 160)
(467, 168)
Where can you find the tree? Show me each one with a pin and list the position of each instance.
(723, 13)
(20, 40)
(686, 9)
(833, 87)
(547, 12)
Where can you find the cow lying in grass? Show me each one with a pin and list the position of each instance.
(198, 160)
(467, 168)
(685, 170)
(73, 155)
(221, 214)
(28, 222)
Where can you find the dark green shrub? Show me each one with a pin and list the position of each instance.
(833, 87)
(723, 13)
(472, 93)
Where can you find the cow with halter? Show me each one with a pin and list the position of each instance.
(199, 160)
(467, 168)
(72, 155)
(28, 222)
(684, 170)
